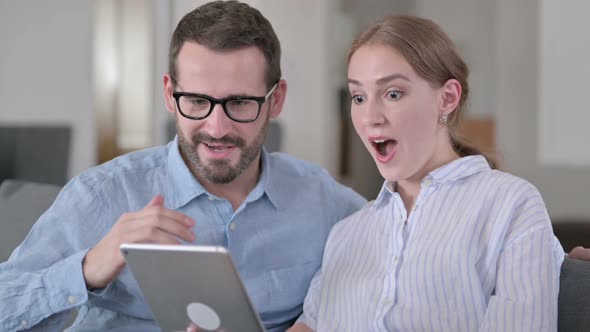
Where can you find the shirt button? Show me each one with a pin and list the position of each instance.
(24, 323)
(210, 198)
(426, 182)
(386, 302)
(232, 226)
(71, 299)
(394, 259)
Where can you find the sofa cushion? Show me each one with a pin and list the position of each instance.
(574, 296)
(35, 153)
(21, 204)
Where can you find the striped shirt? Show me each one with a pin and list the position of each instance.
(476, 253)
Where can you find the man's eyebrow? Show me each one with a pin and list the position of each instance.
(382, 80)
(240, 95)
(231, 96)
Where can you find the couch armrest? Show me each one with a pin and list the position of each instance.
(21, 204)
(574, 296)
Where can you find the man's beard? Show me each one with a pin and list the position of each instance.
(220, 171)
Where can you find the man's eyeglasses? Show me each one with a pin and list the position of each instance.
(240, 109)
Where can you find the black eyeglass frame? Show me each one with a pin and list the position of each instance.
(222, 102)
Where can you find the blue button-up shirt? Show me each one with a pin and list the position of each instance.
(276, 238)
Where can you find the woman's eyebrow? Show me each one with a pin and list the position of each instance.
(382, 80)
(392, 77)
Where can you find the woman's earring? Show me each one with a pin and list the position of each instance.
(443, 119)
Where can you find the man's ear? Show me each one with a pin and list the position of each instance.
(451, 95)
(168, 90)
(278, 99)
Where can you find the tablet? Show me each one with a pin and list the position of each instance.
(198, 284)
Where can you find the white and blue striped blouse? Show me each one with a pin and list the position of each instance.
(476, 253)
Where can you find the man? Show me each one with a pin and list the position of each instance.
(214, 184)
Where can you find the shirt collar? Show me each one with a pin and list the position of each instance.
(270, 183)
(385, 194)
(184, 187)
(453, 171)
(459, 169)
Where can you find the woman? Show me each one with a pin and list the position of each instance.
(450, 243)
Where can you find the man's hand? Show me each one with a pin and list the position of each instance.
(153, 224)
(299, 327)
(193, 328)
(580, 253)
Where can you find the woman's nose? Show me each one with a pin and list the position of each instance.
(373, 114)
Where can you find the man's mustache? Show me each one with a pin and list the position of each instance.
(225, 140)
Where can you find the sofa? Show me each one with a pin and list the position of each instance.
(22, 202)
(35, 153)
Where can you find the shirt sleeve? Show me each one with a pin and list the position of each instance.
(312, 301)
(527, 279)
(42, 281)
(345, 201)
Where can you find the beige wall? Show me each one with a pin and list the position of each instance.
(564, 69)
(46, 70)
(52, 56)
(565, 189)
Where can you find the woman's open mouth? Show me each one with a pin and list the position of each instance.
(385, 149)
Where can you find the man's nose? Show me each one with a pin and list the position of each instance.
(218, 124)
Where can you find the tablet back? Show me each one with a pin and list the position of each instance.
(198, 284)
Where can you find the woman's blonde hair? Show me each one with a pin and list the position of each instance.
(434, 57)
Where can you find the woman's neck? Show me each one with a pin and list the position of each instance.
(409, 188)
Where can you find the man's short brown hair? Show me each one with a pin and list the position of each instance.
(228, 25)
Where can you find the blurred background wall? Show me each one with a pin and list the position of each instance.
(97, 66)
(46, 76)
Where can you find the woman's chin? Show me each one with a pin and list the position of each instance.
(391, 174)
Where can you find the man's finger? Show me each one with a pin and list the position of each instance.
(156, 208)
(152, 236)
(147, 225)
(580, 253)
(157, 200)
(192, 328)
(164, 213)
